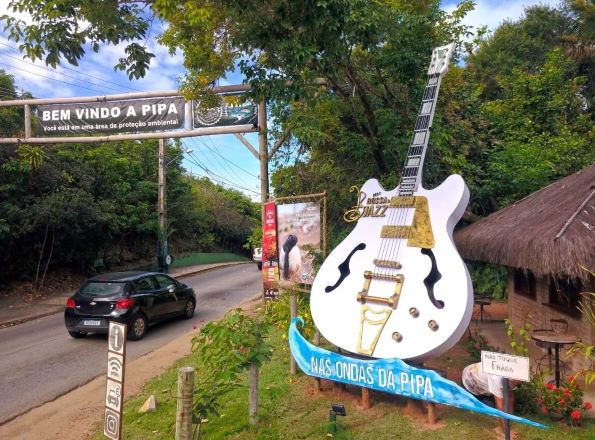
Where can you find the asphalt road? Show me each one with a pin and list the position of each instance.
(39, 361)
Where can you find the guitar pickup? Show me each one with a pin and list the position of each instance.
(392, 300)
(387, 264)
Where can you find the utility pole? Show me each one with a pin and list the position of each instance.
(263, 153)
(162, 234)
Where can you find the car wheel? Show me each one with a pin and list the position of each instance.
(77, 335)
(188, 309)
(138, 328)
(259, 265)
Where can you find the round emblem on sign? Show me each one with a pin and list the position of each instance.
(168, 259)
(209, 116)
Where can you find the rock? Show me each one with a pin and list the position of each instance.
(149, 405)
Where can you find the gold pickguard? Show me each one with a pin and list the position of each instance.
(419, 234)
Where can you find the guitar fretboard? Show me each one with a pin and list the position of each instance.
(411, 174)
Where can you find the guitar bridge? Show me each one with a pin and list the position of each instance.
(364, 297)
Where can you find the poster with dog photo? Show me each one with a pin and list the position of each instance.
(298, 229)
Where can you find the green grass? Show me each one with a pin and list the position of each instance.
(196, 259)
(206, 258)
(292, 408)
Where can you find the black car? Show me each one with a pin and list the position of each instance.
(136, 299)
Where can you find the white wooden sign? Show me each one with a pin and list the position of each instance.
(114, 392)
(505, 365)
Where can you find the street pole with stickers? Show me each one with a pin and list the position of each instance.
(114, 392)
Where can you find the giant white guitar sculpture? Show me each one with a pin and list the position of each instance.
(396, 286)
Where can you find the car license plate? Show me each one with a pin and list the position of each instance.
(92, 322)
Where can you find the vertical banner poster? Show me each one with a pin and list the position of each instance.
(270, 256)
(298, 230)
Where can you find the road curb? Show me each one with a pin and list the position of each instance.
(13, 322)
(206, 269)
(59, 308)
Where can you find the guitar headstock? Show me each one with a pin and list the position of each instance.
(440, 59)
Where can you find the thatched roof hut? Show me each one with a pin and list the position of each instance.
(550, 232)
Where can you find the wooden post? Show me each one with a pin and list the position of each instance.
(293, 314)
(27, 121)
(253, 394)
(161, 205)
(263, 153)
(263, 157)
(431, 413)
(184, 409)
(366, 398)
(506, 408)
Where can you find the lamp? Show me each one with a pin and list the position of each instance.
(337, 409)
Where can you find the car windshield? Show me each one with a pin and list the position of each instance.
(99, 288)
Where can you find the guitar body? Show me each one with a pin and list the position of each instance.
(396, 286)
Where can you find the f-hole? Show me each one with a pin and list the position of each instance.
(344, 268)
(432, 278)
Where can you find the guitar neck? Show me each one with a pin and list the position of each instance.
(411, 175)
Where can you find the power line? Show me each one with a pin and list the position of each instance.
(227, 160)
(54, 71)
(124, 86)
(224, 166)
(218, 178)
(238, 182)
(212, 165)
(49, 77)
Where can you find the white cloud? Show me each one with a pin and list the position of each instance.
(492, 13)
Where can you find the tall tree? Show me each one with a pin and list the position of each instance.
(543, 129)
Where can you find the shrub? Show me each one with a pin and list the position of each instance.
(525, 399)
(278, 312)
(475, 344)
(565, 401)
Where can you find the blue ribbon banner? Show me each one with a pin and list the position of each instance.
(391, 376)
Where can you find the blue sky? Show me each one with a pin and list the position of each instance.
(226, 159)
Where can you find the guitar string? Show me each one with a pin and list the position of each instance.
(399, 218)
(425, 120)
(398, 215)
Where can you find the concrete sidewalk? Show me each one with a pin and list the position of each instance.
(15, 310)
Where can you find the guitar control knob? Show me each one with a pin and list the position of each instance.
(414, 312)
(398, 337)
(433, 325)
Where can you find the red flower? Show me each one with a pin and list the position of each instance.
(575, 415)
(566, 392)
(587, 405)
(550, 386)
(544, 410)
(561, 401)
